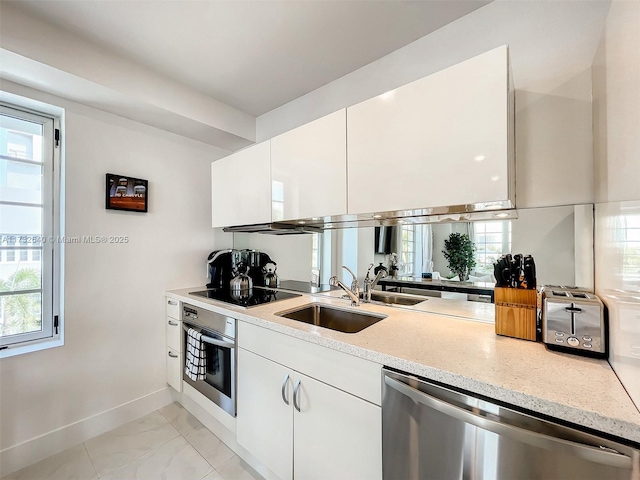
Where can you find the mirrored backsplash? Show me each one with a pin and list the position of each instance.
(618, 260)
(559, 238)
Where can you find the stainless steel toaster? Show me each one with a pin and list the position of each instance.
(573, 320)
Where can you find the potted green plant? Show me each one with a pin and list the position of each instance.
(459, 252)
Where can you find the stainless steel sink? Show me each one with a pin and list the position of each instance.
(346, 321)
(395, 299)
(389, 298)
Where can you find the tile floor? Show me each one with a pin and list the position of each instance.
(168, 444)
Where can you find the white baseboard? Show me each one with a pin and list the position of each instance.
(26, 453)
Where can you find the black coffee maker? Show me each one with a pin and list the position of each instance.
(222, 267)
(255, 260)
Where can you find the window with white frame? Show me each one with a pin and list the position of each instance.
(630, 242)
(29, 219)
(316, 251)
(408, 249)
(491, 239)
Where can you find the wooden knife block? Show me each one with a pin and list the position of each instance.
(516, 312)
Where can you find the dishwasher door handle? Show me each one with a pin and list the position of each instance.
(603, 455)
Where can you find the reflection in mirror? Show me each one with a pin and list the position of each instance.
(294, 254)
(559, 238)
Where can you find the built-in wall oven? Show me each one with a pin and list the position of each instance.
(219, 344)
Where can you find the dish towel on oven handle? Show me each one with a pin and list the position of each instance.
(196, 357)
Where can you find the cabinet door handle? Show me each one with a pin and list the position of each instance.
(173, 324)
(296, 390)
(284, 389)
(173, 355)
(171, 302)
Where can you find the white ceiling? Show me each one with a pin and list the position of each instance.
(252, 55)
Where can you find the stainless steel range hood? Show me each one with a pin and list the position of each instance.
(275, 229)
(453, 214)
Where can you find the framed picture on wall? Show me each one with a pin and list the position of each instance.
(126, 193)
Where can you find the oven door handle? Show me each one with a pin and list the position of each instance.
(213, 341)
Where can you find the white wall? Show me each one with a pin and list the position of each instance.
(616, 112)
(46, 57)
(114, 294)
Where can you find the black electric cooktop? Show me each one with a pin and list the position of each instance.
(257, 296)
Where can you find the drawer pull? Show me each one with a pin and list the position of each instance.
(171, 302)
(173, 355)
(173, 324)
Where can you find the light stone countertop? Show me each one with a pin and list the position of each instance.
(464, 354)
(477, 311)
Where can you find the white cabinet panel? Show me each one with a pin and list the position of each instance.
(336, 434)
(241, 187)
(439, 141)
(173, 328)
(309, 169)
(173, 308)
(265, 422)
(351, 374)
(174, 334)
(174, 369)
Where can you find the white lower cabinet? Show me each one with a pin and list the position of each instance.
(174, 334)
(174, 369)
(321, 433)
(173, 328)
(173, 308)
(336, 435)
(265, 422)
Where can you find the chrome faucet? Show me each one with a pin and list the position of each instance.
(353, 292)
(369, 284)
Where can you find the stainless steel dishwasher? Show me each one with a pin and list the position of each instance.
(431, 432)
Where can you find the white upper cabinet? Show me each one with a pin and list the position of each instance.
(442, 140)
(241, 187)
(309, 170)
